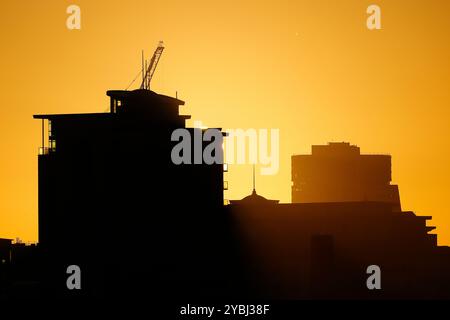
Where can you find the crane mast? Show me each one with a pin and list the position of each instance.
(150, 69)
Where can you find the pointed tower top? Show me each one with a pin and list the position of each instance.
(254, 184)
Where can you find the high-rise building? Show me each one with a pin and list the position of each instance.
(109, 192)
(338, 172)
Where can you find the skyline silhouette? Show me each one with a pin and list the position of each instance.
(131, 196)
(309, 68)
(110, 176)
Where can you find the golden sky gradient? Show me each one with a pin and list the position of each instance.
(308, 67)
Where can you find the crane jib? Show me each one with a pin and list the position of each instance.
(150, 69)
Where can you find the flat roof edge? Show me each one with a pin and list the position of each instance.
(68, 115)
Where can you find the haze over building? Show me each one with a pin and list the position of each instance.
(338, 172)
(321, 249)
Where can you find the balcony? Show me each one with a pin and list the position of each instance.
(43, 150)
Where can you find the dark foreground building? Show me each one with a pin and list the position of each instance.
(112, 202)
(323, 250)
(19, 272)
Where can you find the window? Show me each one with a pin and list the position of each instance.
(43, 151)
(52, 145)
(49, 128)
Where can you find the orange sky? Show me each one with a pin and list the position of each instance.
(310, 68)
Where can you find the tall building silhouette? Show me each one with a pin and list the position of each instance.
(338, 172)
(110, 197)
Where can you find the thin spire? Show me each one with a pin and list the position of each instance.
(254, 184)
(142, 60)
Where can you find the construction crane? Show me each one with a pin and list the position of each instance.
(148, 71)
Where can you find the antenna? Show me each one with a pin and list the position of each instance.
(147, 73)
(145, 77)
(142, 60)
(254, 184)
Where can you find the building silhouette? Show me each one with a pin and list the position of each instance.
(19, 269)
(112, 201)
(338, 172)
(5, 251)
(322, 250)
